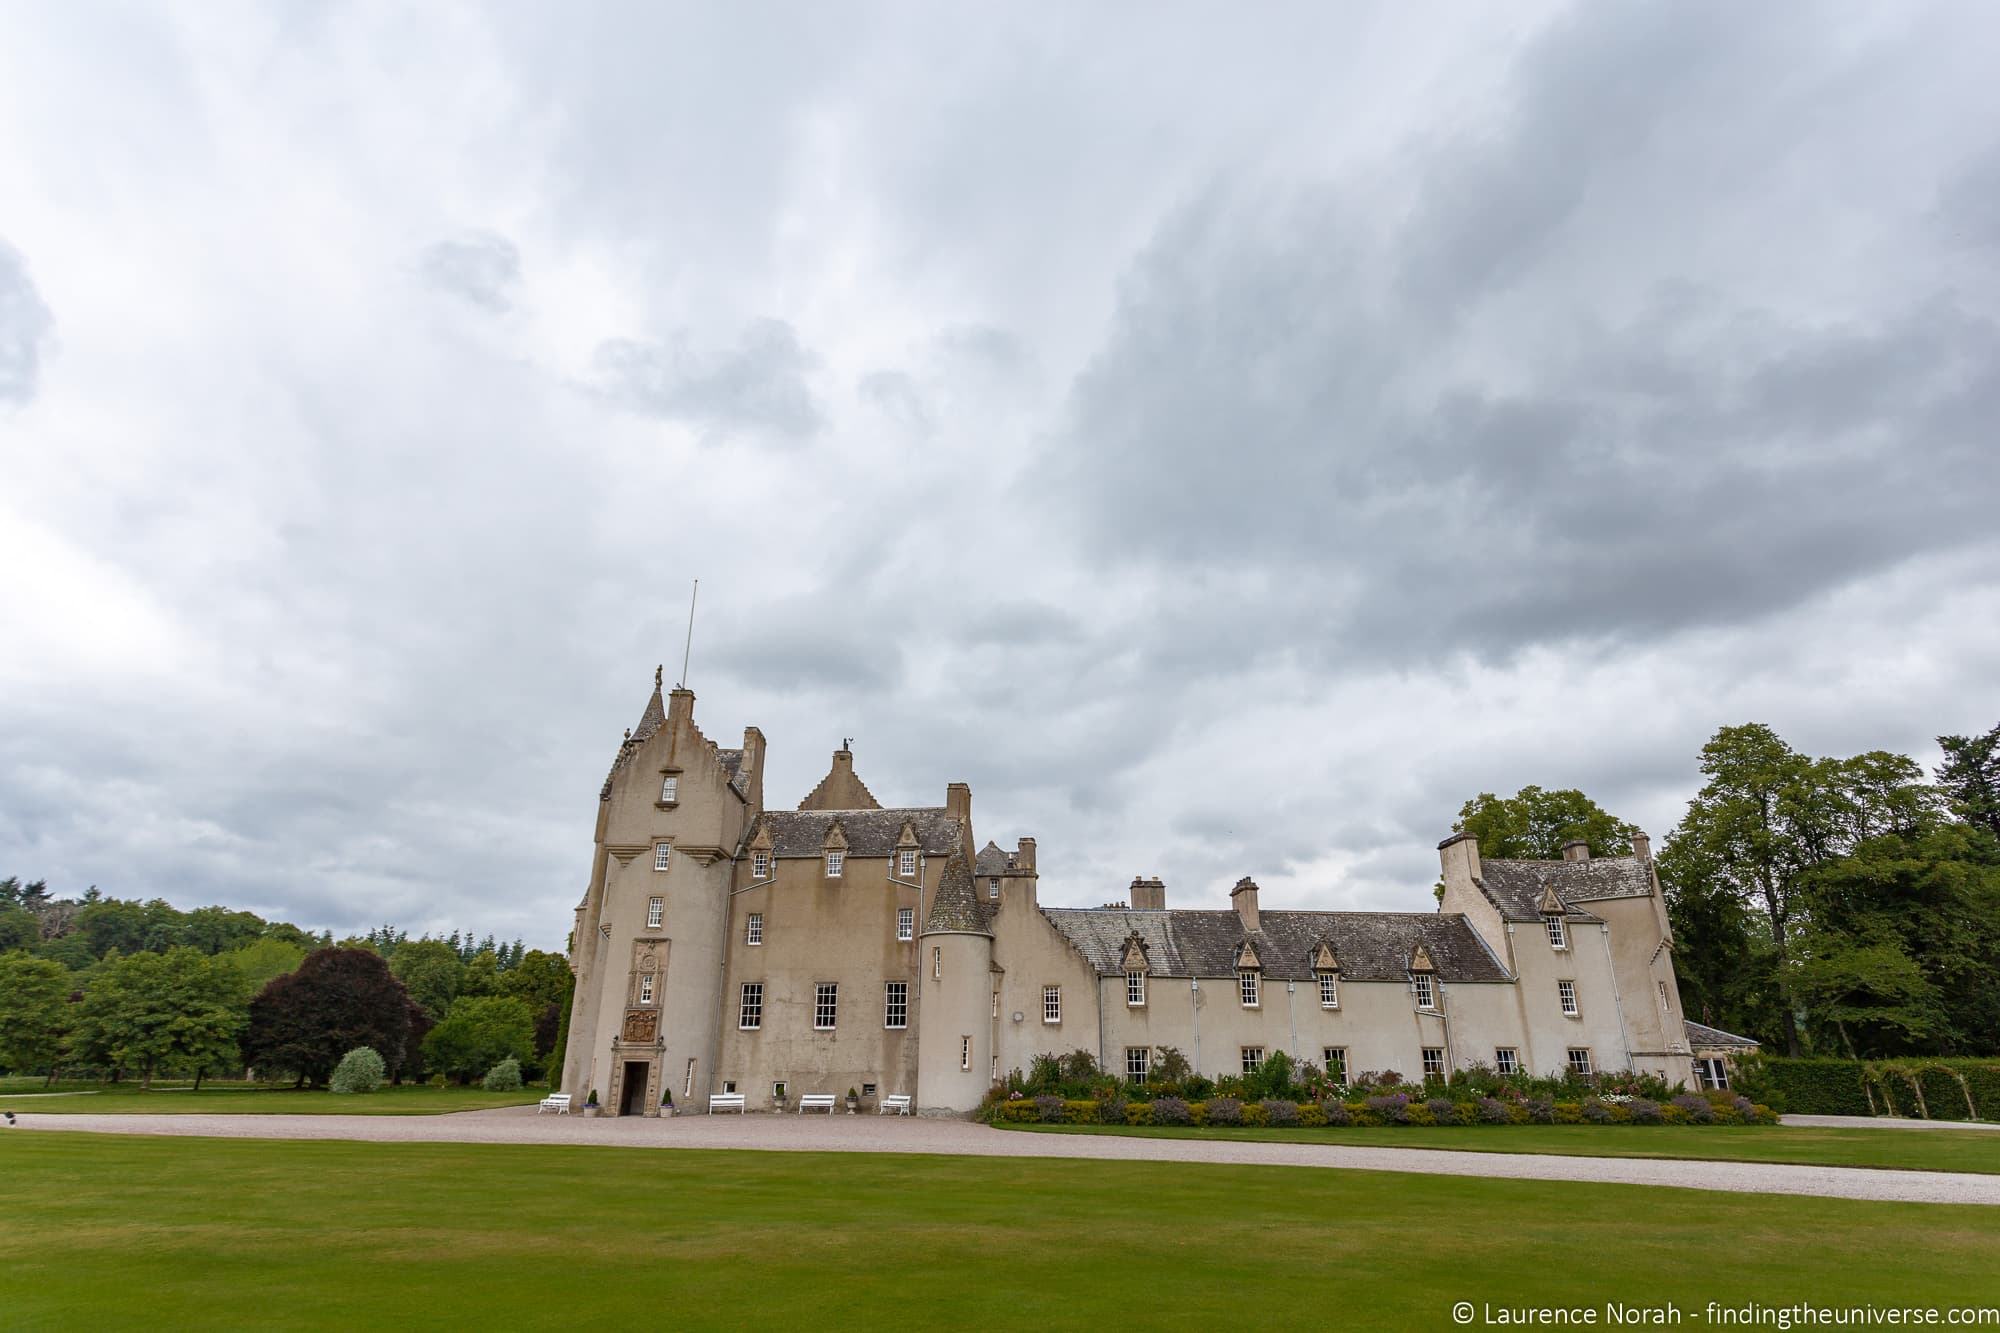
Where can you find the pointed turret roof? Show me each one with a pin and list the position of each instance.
(955, 908)
(651, 719)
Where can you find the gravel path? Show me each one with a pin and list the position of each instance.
(1882, 1122)
(795, 1133)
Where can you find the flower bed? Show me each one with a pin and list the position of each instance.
(1713, 1108)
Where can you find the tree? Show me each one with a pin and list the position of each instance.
(1534, 824)
(338, 999)
(18, 927)
(256, 963)
(478, 1033)
(537, 979)
(1875, 988)
(1970, 777)
(34, 1012)
(430, 970)
(481, 975)
(172, 1010)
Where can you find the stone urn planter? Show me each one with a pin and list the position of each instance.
(853, 1102)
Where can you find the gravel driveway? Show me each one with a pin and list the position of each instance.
(796, 1133)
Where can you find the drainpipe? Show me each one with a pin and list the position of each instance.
(1617, 999)
(1103, 1051)
(1292, 1016)
(1194, 1011)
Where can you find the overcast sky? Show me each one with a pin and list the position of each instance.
(1226, 437)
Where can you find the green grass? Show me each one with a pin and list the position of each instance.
(128, 1232)
(18, 1094)
(1899, 1149)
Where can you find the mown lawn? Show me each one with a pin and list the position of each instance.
(239, 1098)
(129, 1232)
(1901, 1149)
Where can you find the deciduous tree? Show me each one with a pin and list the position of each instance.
(338, 999)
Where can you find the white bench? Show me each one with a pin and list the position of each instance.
(816, 1101)
(725, 1101)
(900, 1104)
(556, 1101)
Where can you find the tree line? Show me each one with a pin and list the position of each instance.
(1824, 905)
(107, 987)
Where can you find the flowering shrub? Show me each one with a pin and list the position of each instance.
(1225, 1111)
(1698, 1108)
(1312, 1115)
(1049, 1109)
(1393, 1109)
(1280, 1112)
(1596, 1111)
(1138, 1113)
(1171, 1111)
(1336, 1113)
(1493, 1111)
(1645, 1112)
(1541, 1111)
(1442, 1110)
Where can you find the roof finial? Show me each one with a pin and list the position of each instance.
(658, 672)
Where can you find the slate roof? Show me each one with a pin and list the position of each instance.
(1370, 946)
(990, 861)
(955, 906)
(868, 832)
(732, 765)
(1701, 1036)
(1516, 886)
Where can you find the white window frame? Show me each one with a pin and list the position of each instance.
(1433, 1061)
(1138, 1060)
(1558, 931)
(753, 929)
(1424, 986)
(1329, 989)
(1335, 1060)
(826, 1006)
(663, 856)
(1135, 990)
(1507, 1059)
(750, 1007)
(1711, 1071)
(1253, 1056)
(1566, 997)
(656, 912)
(906, 923)
(1247, 988)
(965, 1052)
(670, 788)
(836, 864)
(906, 862)
(895, 1004)
(646, 988)
(993, 888)
(1588, 1065)
(760, 865)
(1052, 1005)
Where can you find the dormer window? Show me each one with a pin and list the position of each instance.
(1246, 985)
(834, 862)
(1329, 989)
(670, 788)
(1135, 989)
(760, 865)
(1425, 989)
(1558, 935)
(906, 862)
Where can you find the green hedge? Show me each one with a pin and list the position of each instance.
(1928, 1089)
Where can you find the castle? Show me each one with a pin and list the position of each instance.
(724, 946)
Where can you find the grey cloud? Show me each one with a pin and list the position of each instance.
(1410, 469)
(25, 328)
(760, 383)
(481, 268)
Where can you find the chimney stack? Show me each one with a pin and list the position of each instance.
(1458, 858)
(1576, 849)
(1149, 895)
(958, 802)
(1244, 899)
(1642, 846)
